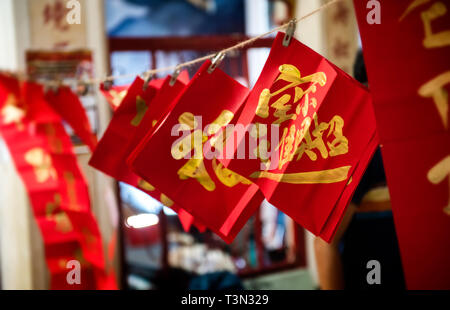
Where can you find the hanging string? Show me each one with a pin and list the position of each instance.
(204, 58)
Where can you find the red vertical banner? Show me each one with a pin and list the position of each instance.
(407, 59)
(313, 133)
(43, 155)
(173, 157)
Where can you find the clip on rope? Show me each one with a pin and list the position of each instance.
(175, 75)
(216, 62)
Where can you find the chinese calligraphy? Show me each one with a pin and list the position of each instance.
(292, 75)
(42, 164)
(11, 113)
(141, 109)
(195, 140)
(298, 140)
(435, 87)
(438, 174)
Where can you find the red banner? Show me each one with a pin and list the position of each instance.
(324, 130)
(407, 58)
(136, 115)
(218, 197)
(43, 155)
(114, 94)
(73, 112)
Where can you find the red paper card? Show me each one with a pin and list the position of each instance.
(326, 127)
(214, 195)
(69, 107)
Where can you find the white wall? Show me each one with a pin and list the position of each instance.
(16, 263)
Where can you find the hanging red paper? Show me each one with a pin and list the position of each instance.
(114, 94)
(159, 108)
(407, 59)
(135, 116)
(222, 200)
(43, 156)
(311, 133)
(70, 108)
(37, 109)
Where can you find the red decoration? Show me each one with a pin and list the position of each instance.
(114, 94)
(137, 114)
(327, 136)
(73, 112)
(407, 59)
(222, 200)
(43, 155)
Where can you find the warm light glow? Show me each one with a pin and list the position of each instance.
(142, 220)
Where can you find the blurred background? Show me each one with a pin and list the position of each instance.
(149, 247)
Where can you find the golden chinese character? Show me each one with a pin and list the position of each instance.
(292, 75)
(312, 177)
(42, 164)
(298, 141)
(62, 221)
(117, 97)
(289, 143)
(435, 90)
(195, 167)
(72, 191)
(141, 109)
(150, 188)
(438, 174)
(145, 185)
(338, 146)
(51, 207)
(437, 10)
(55, 142)
(166, 201)
(228, 177)
(11, 113)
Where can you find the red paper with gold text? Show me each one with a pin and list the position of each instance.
(114, 95)
(407, 59)
(159, 108)
(219, 198)
(326, 136)
(43, 156)
(134, 117)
